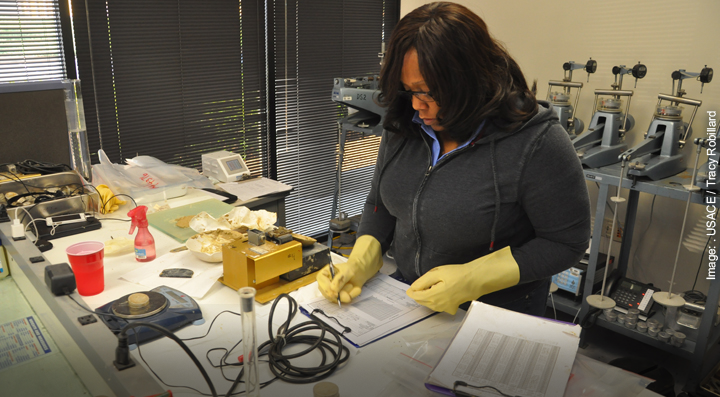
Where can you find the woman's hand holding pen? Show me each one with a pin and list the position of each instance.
(365, 260)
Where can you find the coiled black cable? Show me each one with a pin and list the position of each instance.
(279, 363)
(39, 167)
(285, 336)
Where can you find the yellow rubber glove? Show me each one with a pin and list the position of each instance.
(108, 201)
(444, 288)
(365, 260)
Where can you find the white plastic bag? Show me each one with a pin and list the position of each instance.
(597, 379)
(147, 179)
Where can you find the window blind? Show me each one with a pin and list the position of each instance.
(312, 43)
(31, 46)
(173, 79)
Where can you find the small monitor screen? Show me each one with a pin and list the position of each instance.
(234, 164)
(632, 287)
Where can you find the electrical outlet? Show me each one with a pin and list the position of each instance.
(619, 230)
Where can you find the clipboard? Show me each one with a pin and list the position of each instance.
(382, 309)
(546, 354)
(328, 321)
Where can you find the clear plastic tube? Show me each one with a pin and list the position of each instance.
(249, 334)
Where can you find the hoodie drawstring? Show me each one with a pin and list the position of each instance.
(382, 170)
(496, 216)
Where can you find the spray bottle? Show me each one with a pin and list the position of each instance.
(144, 241)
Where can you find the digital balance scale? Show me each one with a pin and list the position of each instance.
(162, 306)
(224, 166)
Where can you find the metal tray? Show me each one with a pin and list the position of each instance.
(88, 201)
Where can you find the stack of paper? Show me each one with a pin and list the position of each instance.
(252, 188)
(517, 354)
(381, 309)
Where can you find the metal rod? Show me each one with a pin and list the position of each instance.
(687, 130)
(565, 84)
(614, 92)
(625, 116)
(574, 109)
(612, 230)
(687, 207)
(686, 101)
(594, 109)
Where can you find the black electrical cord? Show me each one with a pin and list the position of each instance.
(19, 180)
(92, 311)
(187, 339)
(105, 203)
(222, 364)
(40, 197)
(38, 167)
(702, 256)
(641, 240)
(280, 363)
(122, 340)
(461, 393)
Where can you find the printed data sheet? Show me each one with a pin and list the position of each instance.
(382, 308)
(518, 354)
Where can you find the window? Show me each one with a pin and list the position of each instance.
(314, 42)
(173, 79)
(31, 46)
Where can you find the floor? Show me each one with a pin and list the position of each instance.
(48, 375)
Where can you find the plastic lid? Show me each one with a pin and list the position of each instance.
(326, 389)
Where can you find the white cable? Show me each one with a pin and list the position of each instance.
(28, 225)
(576, 314)
(32, 220)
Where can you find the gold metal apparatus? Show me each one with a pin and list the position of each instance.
(260, 266)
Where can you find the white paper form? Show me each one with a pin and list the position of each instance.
(252, 188)
(382, 308)
(21, 341)
(521, 355)
(205, 274)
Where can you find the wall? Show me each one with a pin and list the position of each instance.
(665, 35)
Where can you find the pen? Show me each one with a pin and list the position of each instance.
(332, 274)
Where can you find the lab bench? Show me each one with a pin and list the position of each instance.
(90, 349)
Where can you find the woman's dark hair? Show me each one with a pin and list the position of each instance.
(469, 74)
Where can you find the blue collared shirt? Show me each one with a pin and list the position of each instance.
(435, 147)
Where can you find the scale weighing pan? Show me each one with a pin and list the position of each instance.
(162, 306)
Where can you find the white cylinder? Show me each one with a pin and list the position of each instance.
(249, 334)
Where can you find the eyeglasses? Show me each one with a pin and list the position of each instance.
(421, 95)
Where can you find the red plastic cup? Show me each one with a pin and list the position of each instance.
(86, 260)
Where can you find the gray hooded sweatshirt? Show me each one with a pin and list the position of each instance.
(524, 189)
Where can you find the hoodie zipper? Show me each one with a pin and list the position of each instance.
(417, 198)
(425, 178)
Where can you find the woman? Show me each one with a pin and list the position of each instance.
(476, 186)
